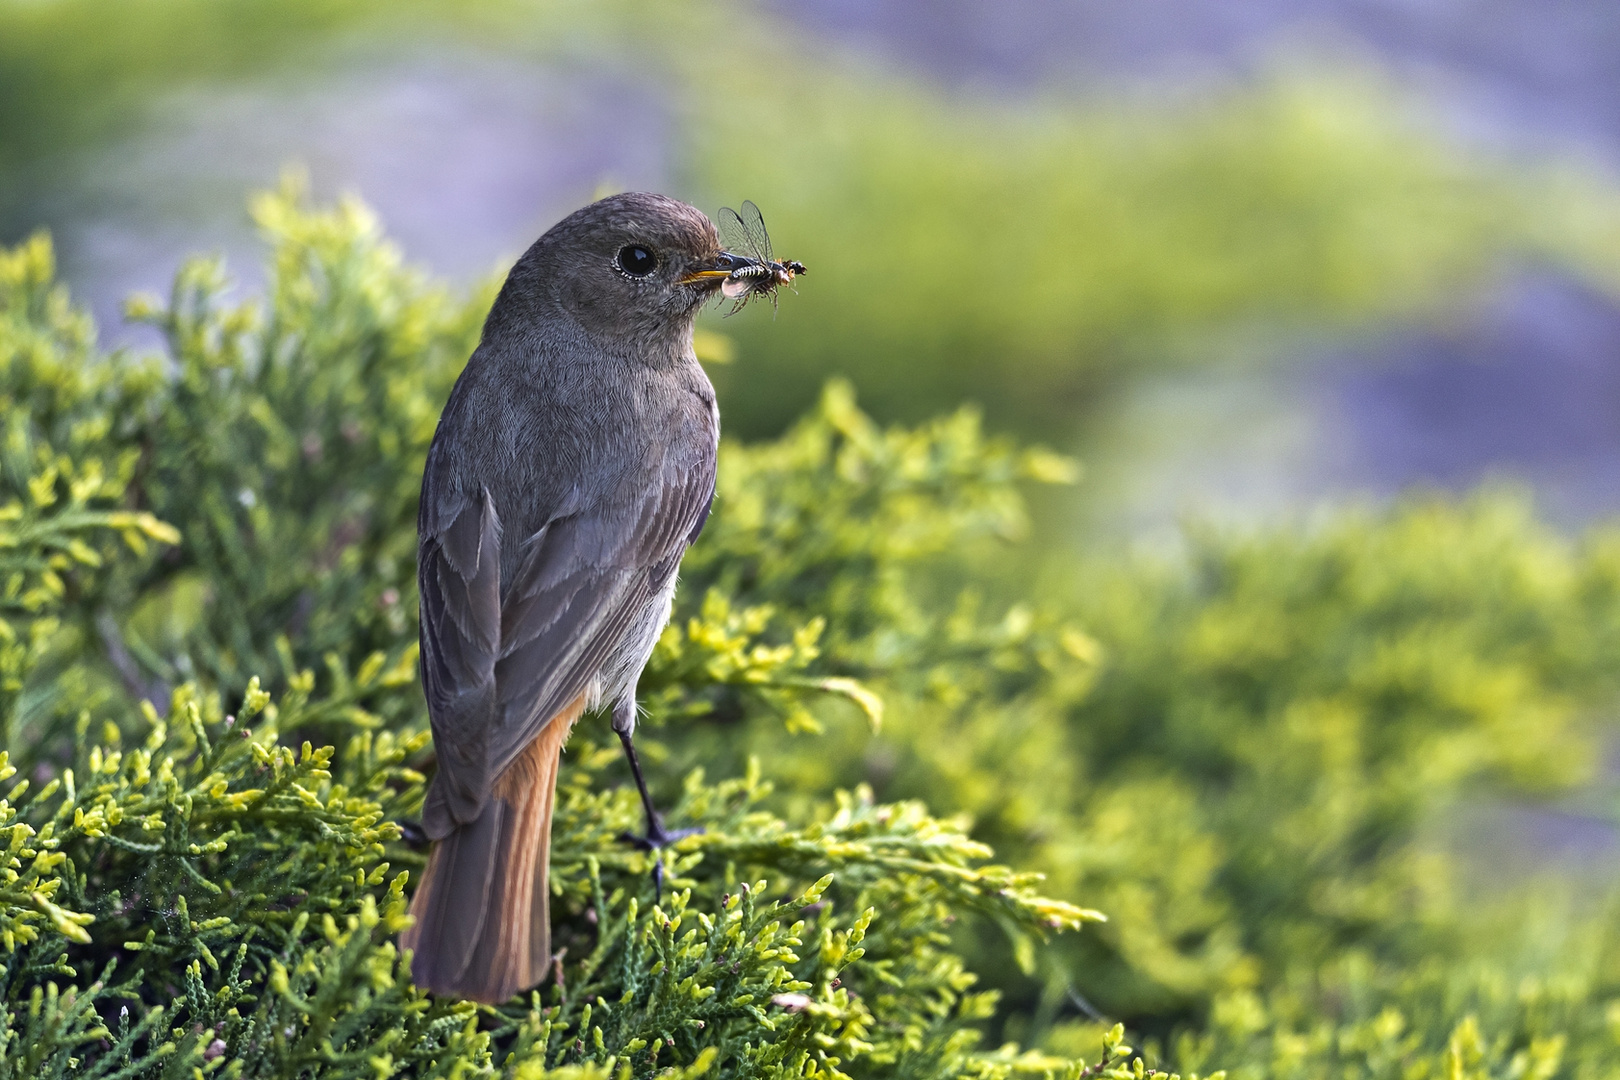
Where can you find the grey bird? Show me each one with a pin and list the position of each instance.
(571, 469)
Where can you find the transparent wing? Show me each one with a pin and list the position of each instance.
(744, 233)
(754, 222)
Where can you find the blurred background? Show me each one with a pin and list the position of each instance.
(1243, 257)
(1251, 261)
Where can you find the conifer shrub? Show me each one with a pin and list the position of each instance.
(213, 732)
(213, 737)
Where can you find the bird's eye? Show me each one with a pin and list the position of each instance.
(636, 260)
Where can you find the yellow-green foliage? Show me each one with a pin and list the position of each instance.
(214, 883)
(1295, 705)
(1242, 787)
(1231, 753)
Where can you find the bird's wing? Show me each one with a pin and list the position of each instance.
(459, 577)
(499, 663)
(583, 585)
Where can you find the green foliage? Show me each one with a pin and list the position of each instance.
(1240, 755)
(1250, 785)
(1237, 754)
(214, 885)
(276, 451)
(1302, 703)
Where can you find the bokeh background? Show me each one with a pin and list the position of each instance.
(1251, 261)
(1246, 256)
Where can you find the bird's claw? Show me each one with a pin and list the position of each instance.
(413, 835)
(657, 837)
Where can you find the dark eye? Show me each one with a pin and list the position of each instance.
(637, 261)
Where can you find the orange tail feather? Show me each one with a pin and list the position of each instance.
(483, 922)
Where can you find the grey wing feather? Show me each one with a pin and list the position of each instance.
(459, 574)
(498, 663)
(577, 595)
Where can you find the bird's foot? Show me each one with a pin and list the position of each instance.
(413, 835)
(656, 838)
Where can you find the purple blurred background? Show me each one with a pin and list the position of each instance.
(468, 154)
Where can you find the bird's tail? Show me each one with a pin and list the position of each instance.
(483, 925)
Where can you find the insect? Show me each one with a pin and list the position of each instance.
(762, 274)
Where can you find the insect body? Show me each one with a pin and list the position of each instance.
(759, 272)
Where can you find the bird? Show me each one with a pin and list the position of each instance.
(573, 465)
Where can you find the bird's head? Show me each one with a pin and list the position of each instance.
(631, 270)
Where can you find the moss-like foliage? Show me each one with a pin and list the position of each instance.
(213, 738)
(213, 730)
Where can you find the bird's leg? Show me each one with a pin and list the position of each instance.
(655, 837)
(624, 725)
(411, 832)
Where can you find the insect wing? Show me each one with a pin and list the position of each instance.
(744, 233)
(754, 222)
(733, 236)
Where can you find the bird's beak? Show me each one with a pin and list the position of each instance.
(715, 270)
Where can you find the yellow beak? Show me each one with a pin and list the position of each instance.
(723, 266)
(705, 275)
